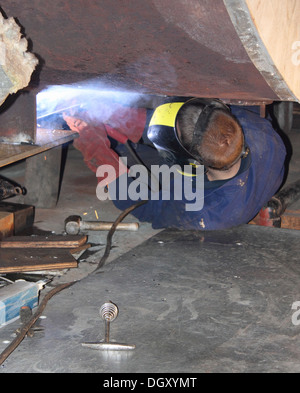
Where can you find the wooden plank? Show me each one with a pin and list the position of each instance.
(267, 16)
(28, 260)
(6, 224)
(77, 250)
(45, 140)
(251, 27)
(23, 215)
(291, 219)
(53, 241)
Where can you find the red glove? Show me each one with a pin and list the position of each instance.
(122, 124)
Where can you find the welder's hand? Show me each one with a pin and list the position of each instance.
(74, 123)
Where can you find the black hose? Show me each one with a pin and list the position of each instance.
(112, 230)
(137, 159)
(24, 330)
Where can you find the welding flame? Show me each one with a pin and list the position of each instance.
(91, 97)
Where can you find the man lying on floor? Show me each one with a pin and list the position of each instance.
(241, 156)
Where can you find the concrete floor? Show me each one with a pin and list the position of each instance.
(186, 309)
(189, 302)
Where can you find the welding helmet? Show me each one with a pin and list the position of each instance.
(163, 132)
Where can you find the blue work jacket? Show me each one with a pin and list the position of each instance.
(237, 200)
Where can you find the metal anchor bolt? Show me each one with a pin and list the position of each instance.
(108, 312)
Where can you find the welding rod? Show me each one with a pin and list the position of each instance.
(60, 110)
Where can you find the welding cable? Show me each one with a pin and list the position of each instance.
(27, 326)
(6, 279)
(135, 156)
(111, 232)
(126, 211)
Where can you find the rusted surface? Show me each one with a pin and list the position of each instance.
(182, 47)
(18, 119)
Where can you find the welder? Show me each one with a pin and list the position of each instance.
(243, 157)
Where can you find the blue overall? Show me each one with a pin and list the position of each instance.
(232, 202)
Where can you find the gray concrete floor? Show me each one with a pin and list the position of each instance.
(80, 321)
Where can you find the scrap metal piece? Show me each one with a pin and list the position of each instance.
(18, 119)
(8, 189)
(271, 215)
(16, 64)
(285, 197)
(25, 316)
(17, 116)
(108, 346)
(109, 312)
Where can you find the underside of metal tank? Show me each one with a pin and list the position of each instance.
(183, 48)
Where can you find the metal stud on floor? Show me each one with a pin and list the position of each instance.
(108, 312)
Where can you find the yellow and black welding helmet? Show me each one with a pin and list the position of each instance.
(163, 133)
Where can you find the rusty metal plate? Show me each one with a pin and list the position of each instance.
(18, 118)
(187, 48)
